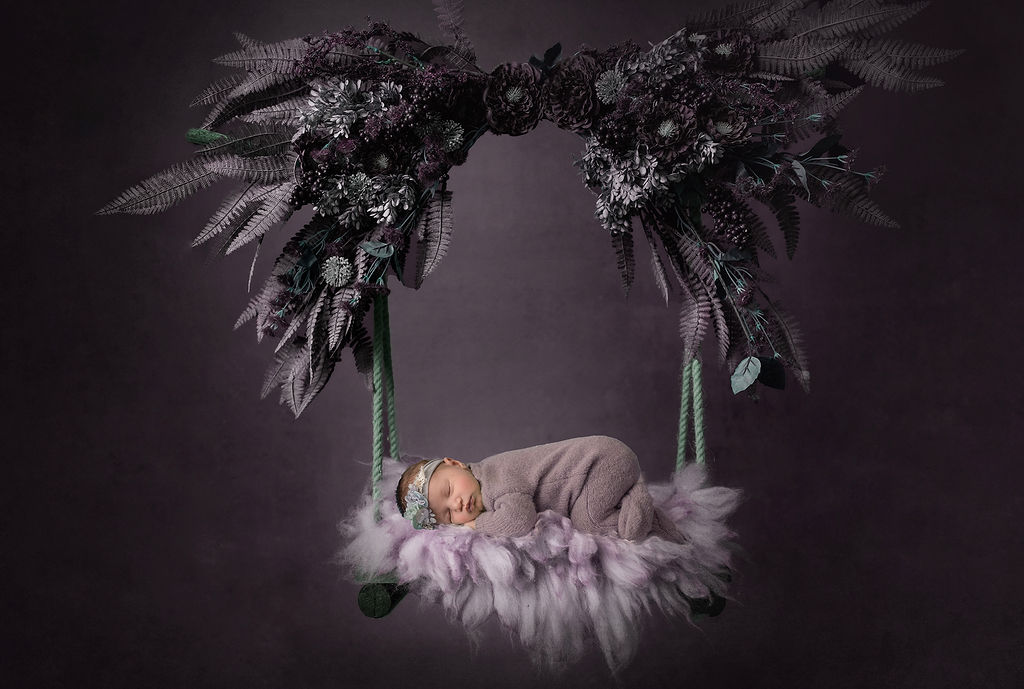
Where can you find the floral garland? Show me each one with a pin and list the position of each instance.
(364, 126)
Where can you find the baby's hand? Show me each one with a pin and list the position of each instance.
(471, 524)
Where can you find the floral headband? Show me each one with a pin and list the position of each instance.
(417, 508)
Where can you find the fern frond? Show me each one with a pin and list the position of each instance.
(759, 234)
(257, 91)
(229, 211)
(784, 206)
(286, 112)
(245, 41)
(836, 20)
(284, 361)
(450, 21)
(276, 208)
(434, 233)
(770, 76)
(265, 169)
(218, 90)
(362, 350)
(775, 17)
(281, 57)
(850, 197)
(163, 190)
(694, 319)
(625, 258)
(696, 262)
(906, 55)
(251, 140)
(721, 327)
(789, 341)
(657, 267)
(316, 316)
(797, 56)
(878, 70)
(340, 318)
(736, 14)
(299, 317)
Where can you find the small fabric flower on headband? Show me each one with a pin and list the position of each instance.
(418, 511)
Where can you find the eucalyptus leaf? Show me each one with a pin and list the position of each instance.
(378, 249)
(745, 374)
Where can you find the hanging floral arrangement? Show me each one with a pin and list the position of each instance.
(678, 141)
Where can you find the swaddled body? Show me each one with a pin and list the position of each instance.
(594, 481)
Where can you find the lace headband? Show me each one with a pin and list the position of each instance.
(417, 508)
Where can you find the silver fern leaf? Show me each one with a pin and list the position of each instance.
(265, 170)
(694, 319)
(286, 112)
(251, 140)
(230, 210)
(657, 267)
(435, 234)
(340, 318)
(218, 90)
(878, 70)
(284, 361)
(784, 207)
(721, 327)
(775, 17)
(281, 57)
(245, 41)
(905, 55)
(735, 14)
(836, 20)
(625, 258)
(798, 56)
(276, 208)
(257, 91)
(163, 190)
(450, 21)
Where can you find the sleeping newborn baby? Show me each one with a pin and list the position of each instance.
(594, 481)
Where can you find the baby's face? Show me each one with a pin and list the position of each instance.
(454, 493)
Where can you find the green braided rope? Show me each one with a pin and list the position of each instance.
(698, 412)
(684, 415)
(377, 473)
(389, 382)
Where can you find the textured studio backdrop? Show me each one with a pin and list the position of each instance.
(164, 527)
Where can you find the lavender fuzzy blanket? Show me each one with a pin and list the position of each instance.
(556, 588)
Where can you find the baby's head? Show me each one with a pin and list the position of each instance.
(439, 491)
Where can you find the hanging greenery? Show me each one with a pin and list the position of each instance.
(679, 139)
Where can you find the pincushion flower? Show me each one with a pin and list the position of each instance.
(570, 100)
(513, 98)
(734, 51)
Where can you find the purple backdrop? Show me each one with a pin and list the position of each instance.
(165, 528)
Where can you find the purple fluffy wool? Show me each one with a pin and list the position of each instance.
(555, 587)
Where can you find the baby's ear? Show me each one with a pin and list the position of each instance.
(453, 462)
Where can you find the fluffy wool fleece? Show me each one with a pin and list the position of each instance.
(555, 589)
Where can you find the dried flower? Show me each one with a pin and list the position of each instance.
(513, 98)
(338, 271)
(569, 97)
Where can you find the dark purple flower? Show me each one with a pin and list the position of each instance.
(732, 51)
(728, 126)
(513, 98)
(570, 100)
(669, 129)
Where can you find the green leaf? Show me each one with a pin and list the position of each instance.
(378, 249)
(204, 136)
(745, 374)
